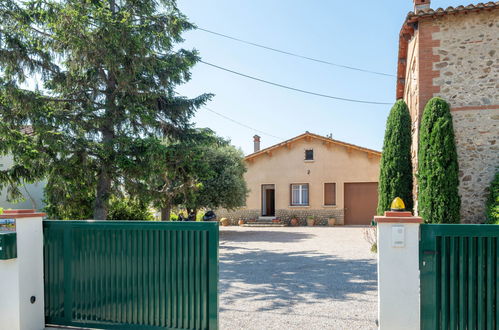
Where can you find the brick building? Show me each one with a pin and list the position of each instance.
(453, 53)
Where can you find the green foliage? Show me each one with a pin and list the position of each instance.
(395, 179)
(127, 208)
(493, 202)
(223, 184)
(201, 171)
(106, 73)
(438, 199)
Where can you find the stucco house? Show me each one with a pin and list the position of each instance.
(32, 192)
(453, 53)
(311, 175)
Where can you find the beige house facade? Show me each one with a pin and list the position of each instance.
(32, 192)
(453, 53)
(311, 175)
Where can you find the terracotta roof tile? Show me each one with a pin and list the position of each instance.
(315, 136)
(28, 130)
(428, 12)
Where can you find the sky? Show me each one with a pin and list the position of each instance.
(361, 34)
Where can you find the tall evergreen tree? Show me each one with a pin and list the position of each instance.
(438, 198)
(106, 72)
(395, 178)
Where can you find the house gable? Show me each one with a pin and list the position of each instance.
(312, 139)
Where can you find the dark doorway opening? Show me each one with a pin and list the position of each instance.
(268, 200)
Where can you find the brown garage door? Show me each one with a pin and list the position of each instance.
(361, 201)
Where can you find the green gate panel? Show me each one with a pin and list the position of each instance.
(8, 245)
(459, 269)
(131, 274)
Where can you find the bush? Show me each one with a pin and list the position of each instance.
(127, 208)
(492, 211)
(438, 199)
(395, 178)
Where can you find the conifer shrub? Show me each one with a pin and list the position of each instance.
(438, 198)
(493, 202)
(395, 179)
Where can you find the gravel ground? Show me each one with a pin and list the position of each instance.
(296, 278)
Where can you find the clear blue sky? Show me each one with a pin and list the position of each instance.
(356, 33)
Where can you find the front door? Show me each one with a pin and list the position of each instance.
(268, 200)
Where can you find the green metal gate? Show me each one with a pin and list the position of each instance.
(459, 276)
(131, 274)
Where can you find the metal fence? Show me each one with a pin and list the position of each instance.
(131, 274)
(459, 276)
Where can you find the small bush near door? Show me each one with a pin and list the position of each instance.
(493, 202)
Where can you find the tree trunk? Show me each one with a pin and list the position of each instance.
(165, 213)
(102, 195)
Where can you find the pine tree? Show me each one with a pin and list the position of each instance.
(106, 73)
(438, 199)
(395, 179)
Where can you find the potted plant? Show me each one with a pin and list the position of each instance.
(310, 221)
(276, 220)
(241, 222)
(294, 221)
(331, 222)
(224, 221)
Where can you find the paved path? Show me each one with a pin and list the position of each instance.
(296, 278)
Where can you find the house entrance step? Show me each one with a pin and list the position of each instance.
(265, 218)
(264, 224)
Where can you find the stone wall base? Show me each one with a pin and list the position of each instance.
(321, 216)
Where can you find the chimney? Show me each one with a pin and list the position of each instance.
(421, 4)
(256, 143)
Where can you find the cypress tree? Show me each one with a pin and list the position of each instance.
(395, 179)
(438, 199)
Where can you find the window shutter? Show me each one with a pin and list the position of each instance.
(329, 193)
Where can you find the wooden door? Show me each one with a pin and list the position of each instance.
(361, 201)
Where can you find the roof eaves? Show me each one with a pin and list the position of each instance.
(320, 137)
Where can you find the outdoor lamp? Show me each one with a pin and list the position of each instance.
(397, 204)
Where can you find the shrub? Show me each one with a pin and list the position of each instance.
(493, 202)
(128, 208)
(438, 199)
(395, 178)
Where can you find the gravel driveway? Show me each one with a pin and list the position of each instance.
(296, 278)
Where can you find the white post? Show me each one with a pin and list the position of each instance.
(398, 271)
(21, 278)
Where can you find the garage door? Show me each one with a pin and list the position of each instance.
(361, 201)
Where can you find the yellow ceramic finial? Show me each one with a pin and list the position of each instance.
(397, 204)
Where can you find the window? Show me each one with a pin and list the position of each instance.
(329, 193)
(299, 194)
(309, 154)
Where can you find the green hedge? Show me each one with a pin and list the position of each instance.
(493, 202)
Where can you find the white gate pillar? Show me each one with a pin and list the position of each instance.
(21, 270)
(398, 271)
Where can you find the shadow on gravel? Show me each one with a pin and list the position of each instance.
(262, 236)
(282, 279)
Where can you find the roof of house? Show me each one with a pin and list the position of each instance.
(428, 12)
(28, 130)
(407, 31)
(308, 135)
